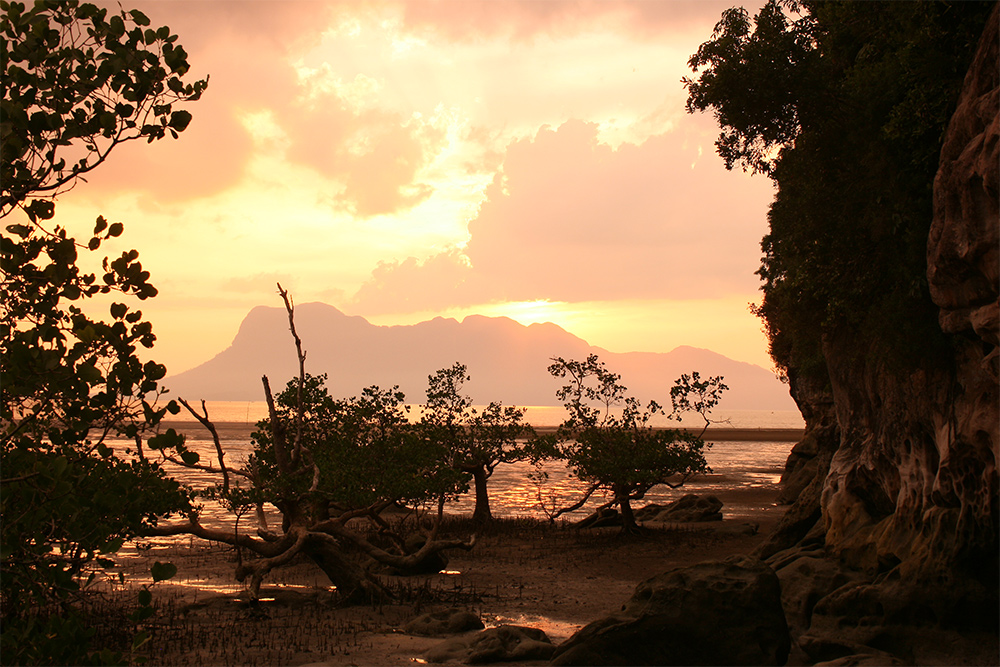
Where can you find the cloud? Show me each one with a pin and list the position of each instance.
(524, 20)
(570, 219)
(250, 52)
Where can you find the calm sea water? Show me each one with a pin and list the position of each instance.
(735, 465)
(250, 412)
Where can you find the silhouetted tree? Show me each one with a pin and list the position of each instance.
(477, 440)
(332, 468)
(77, 81)
(609, 444)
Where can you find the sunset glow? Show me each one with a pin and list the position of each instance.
(402, 161)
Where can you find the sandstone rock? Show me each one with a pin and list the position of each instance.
(443, 622)
(914, 482)
(601, 519)
(911, 620)
(810, 457)
(802, 524)
(799, 472)
(804, 582)
(689, 508)
(504, 643)
(713, 613)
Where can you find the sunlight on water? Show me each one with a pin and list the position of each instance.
(735, 465)
(249, 413)
(556, 630)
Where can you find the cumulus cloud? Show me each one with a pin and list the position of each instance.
(374, 155)
(570, 219)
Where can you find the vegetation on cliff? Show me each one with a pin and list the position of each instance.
(844, 105)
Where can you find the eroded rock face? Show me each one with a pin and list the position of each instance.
(807, 466)
(715, 613)
(904, 558)
(914, 482)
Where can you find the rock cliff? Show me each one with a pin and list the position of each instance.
(914, 480)
(897, 480)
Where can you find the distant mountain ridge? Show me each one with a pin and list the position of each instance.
(508, 361)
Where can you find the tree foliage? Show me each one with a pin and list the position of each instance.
(75, 83)
(844, 105)
(78, 81)
(367, 451)
(332, 468)
(478, 440)
(609, 443)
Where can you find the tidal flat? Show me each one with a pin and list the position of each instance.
(522, 571)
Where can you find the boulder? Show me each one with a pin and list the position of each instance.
(689, 508)
(804, 582)
(716, 613)
(443, 622)
(504, 643)
(913, 620)
(601, 519)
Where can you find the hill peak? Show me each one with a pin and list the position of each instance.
(507, 360)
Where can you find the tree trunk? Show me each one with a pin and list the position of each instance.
(482, 512)
(628, 518)
(354, 584)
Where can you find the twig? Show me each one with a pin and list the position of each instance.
(300, 408)
(277, 430)
(207, 423)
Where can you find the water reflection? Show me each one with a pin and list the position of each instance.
(556, 630)
(735, 466)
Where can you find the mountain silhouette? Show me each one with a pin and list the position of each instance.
(507, 361)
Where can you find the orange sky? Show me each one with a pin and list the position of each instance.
(406, 160)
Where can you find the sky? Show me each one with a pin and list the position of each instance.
(402, 161)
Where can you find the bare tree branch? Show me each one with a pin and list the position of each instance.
(193, 527)
(290, 309)
(580, 503)
(200, 466)
(257, 569)
(402, 562)
(277, 430)
(207, 423)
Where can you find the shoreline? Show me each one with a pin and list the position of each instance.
(242, 431)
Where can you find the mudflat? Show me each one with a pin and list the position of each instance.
(522, 571)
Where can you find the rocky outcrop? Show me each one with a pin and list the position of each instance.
(444, 622)
(807, 466)
(905, 555)
(914, 481)
(715, 613)
(690, 508)
(504, 643)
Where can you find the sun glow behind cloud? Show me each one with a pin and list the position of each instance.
(407, 160)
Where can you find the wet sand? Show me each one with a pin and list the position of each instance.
(526, 572)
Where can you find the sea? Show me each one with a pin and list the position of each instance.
(736, 464)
